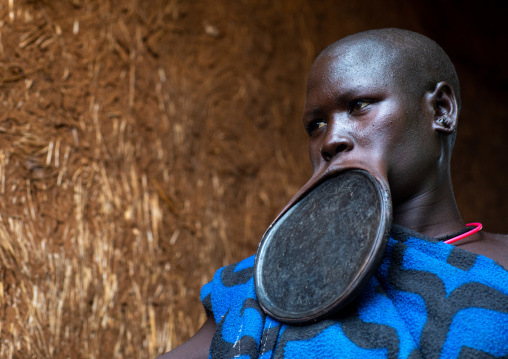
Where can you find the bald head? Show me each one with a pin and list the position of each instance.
(413, 60)
(385, 100)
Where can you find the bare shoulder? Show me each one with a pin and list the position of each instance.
(197, 347)
(491, 245)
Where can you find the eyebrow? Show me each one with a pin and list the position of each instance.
(353, 92)
(315, 112)
(341, 98)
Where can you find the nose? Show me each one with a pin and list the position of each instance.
(335, 143)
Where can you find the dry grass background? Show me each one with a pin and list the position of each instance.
(144, 144)
(134, 137)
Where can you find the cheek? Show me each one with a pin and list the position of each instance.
(385, 143)
(411, 162)
(314, 155)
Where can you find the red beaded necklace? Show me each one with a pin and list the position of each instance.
(477, 228)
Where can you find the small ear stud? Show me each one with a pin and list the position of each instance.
(442, 121)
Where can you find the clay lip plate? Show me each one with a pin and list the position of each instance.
(321, 252)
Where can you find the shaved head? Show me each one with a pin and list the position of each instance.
(410, 60)
(387, 100)
(416, 62)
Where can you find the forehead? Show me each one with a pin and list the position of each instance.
(353, 68)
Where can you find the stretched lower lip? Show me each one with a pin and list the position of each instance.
(331, 171)
(335, 169)
(342, 164)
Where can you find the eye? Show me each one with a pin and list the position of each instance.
(314, 125)
(358, 105)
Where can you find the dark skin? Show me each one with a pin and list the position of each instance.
(197, 346)
(358, 115)
(362, 117)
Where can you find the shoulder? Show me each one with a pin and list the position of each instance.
(234, 274)
(231, 286)
(197, 347)
(237, 273)
(491, 245)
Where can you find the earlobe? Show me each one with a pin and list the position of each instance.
(443, 123)
(445, 107)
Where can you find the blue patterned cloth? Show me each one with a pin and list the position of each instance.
(428, 299)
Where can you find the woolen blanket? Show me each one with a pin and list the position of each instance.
(428, 299)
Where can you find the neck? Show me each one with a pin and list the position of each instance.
(432, 212)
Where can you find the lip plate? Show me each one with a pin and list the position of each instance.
(315, 266)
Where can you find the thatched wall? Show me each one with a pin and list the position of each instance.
(144, 144)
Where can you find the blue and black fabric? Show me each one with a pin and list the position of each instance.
(428, 299)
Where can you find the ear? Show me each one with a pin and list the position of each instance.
(445, 108)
